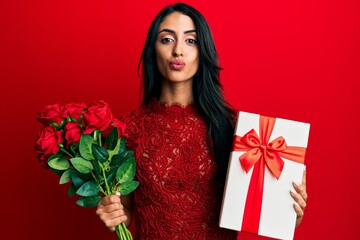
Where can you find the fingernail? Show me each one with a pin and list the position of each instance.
(118, 194)
(304, 167)
(296, 204)
(293, 192)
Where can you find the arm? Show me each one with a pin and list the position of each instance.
(113, 210)
(300, 197)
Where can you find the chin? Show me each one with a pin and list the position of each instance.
(178, 78)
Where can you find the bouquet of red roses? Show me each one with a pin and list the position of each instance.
(85, 145)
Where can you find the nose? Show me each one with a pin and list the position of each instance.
(177, 50)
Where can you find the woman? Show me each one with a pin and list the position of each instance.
(181, 135)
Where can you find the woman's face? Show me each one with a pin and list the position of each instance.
(176, 48)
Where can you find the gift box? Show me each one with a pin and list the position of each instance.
(267, 157)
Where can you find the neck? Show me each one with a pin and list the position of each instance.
(176, 92)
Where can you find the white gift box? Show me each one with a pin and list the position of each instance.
(277, 215)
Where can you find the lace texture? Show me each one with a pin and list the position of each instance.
(177, 197)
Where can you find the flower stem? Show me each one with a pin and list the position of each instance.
(122, 232)
(97, 181)
(108, 190)
(64, 150)
(99, 138)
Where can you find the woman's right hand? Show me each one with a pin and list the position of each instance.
(111, 212)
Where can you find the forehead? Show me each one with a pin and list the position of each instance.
(178, 22)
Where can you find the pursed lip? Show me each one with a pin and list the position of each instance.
(177, 64)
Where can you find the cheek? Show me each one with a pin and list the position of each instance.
(195, 62)
(160, 58)
(160, 64)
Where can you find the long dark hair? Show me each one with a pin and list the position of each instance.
(207, 89)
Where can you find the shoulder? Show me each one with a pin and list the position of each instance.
(134, 125)
(135, 116)
(131, 119)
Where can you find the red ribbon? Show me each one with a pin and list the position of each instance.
(260, 153)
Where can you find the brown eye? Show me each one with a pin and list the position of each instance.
(191, 41)
(166, 40)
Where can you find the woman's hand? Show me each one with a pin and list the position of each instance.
(111, 211)
(300, 198)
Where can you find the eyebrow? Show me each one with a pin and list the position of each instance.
(173, 32)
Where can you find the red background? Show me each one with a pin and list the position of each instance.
(292, 59)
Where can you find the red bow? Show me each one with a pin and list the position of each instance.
(257, 148)
(260, 153)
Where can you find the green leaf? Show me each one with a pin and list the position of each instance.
(122, 147)
(59, 154)
(88, 201)
(82, 165)
(99, 153)
(76, 179)
(126, 171)
(117, 160)
(115, 150)
(72, 190)
(115, 163)
(85, 146)
(110, 175)
(59, 163)
(127, 187)
(88, 189)
(66, 176)
(101, 181)
(96, 168)
(127, 154)
(112, 139)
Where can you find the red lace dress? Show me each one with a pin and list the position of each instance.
(177, 197)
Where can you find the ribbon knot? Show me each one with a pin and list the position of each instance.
(263, 148)
(258, 148)
(259, 153)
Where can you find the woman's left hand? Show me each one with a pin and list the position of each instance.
(300, 198)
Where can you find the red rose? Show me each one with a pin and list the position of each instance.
(97, 116)
(47, 143)
(72, 133)
(116, 123)
(52, 113)
(74, 110)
